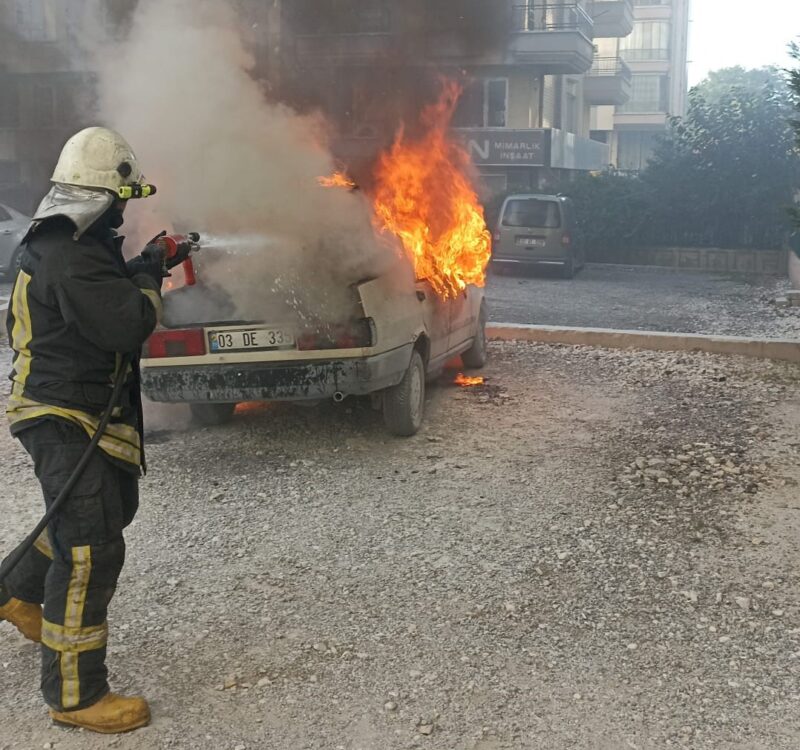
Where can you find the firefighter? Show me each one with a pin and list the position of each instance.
(79, 314)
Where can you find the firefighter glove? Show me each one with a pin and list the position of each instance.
(151, 262)
(184, 249)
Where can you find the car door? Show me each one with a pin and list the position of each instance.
(464, 311)
(436, 315)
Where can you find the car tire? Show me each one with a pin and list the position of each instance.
(404, 404)
(477, 355)
(212, 415)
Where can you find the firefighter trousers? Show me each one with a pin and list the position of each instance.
(74, 566)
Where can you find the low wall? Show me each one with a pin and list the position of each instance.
(713, 259)
(606, 338)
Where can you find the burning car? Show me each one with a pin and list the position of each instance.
(398, 335)
(307, 331)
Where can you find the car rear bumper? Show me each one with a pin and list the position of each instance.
(276, 381)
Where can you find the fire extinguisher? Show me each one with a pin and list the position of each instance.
(169, 244)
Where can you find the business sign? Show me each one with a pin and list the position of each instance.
(504, 147)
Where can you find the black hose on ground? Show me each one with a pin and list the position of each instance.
(14, 558)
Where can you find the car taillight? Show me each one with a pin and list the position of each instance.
(184, 342)
(352, 336)
(566, 239)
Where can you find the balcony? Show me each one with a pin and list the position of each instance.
(612, 18)
(555, 37)
(608, 82)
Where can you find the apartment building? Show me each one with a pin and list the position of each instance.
(48, 84)
(45, 91)
(656, 54)
(528, 68)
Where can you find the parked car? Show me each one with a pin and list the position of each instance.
(13, 226)
(538, 230)
(397, 336)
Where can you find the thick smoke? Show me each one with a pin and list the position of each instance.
(228, 162)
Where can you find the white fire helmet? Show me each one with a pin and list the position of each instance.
(97, 166)
(101, 159)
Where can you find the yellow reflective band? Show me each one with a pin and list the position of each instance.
(119, 440)
(61, 638)
(155, 300)
(73, 617)
(70, 679)
(42, 543)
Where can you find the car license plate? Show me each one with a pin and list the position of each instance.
(530, 241)
(248, 339)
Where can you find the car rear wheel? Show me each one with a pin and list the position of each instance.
(404, 404)
(477, 355)
(212, 415)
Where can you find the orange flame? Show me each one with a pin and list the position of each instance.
(424, 196)
(465, 381)
(337, 179)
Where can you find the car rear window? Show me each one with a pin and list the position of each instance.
(532, 213)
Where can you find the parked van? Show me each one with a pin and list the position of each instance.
(538, 230)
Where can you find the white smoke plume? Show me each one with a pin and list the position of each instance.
(227, 161)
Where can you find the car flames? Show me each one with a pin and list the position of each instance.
(423, 195)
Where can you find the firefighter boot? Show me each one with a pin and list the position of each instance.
(25, 617)
(112, 714)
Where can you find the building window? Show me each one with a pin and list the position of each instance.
(483, 104)
(9, 96)
(635, 149)
(649, 41)
(341, 16)
(649, 94)
(43, 105)
(36, 20)
(571, 106)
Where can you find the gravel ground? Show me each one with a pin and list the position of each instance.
(640, 298)
(595, 550)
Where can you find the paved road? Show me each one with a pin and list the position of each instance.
(634, 297)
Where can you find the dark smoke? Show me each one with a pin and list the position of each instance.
(421, 41)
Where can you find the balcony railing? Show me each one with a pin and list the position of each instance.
(544, 15)
(644, 55)
(610, 66)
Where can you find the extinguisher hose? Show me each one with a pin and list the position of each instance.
(14, 558)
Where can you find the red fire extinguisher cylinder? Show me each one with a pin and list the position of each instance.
(170, 244)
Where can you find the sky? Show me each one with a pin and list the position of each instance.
(750, 33)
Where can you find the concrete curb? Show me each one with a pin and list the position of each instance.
(607, 338)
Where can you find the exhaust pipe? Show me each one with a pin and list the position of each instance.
(338, 397)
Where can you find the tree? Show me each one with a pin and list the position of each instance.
(794, 88)
(721, 83)
(725, 173)
(611, 210)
